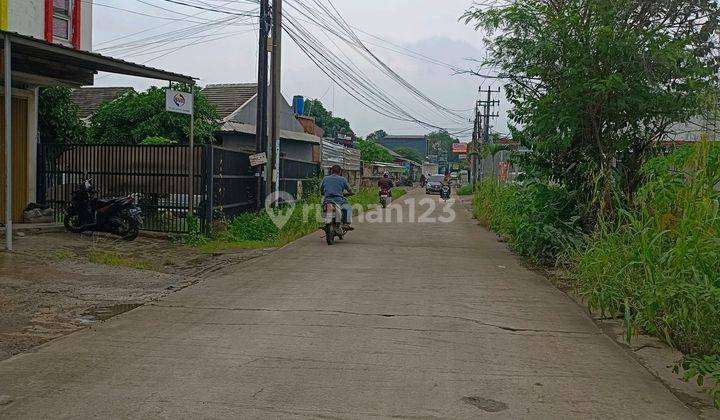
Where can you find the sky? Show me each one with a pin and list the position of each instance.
(228, 54)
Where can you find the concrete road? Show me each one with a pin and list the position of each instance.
(406, 320)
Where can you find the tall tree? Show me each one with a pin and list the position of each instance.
(594, 84)
(325, 119)
(58, 120)
(441, 143)
(134, 117)
(373, 152)
(377, 135)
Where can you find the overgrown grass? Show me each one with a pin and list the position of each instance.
(539, 220)
(257, 230)
(116, 259)
(659, 264)
(465, 190)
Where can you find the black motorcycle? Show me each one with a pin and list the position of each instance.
(118, 216)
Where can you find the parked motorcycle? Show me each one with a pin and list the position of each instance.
(118, 216)
(384, 198)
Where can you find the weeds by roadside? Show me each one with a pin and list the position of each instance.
(657, 265)
(117, 260)
(257, 230)
(465, 190)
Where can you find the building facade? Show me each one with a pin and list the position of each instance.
(66, 22)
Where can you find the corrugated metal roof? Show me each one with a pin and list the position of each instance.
(230, 97)
(236, 127)
(29, 47)
(89, 99)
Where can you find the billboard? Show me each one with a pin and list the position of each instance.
(461, 148)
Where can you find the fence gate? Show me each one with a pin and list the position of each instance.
(157, 176)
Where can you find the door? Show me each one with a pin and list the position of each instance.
(19, 158)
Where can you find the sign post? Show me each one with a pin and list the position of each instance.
(182, 103)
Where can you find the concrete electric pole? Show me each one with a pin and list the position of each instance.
(277, 100)
(262, 115)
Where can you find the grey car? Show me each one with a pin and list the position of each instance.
(434, 184)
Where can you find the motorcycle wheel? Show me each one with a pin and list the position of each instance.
(72, 223)
(132, 230)
(329, 234)
(384, 203)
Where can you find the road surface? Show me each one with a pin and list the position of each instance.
(404, 320)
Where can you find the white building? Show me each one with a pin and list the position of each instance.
(66, 22)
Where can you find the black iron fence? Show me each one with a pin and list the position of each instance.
(224, 185)
(157, 176)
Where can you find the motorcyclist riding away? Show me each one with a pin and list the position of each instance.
(334, 189)
(385, 183)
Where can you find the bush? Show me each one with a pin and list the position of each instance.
(539, 220)
(659, 264)
(253, 227)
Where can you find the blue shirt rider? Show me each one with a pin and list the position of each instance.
(334, 189)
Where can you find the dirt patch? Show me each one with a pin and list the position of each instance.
(57, 283)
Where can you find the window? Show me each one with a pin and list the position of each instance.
(61, 19)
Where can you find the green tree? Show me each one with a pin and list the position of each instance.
(373, 152)
(441, 143)
(594, 84)
(134, 117)
(325, 119)
(377, 135)
(409, 153)
(58, 120)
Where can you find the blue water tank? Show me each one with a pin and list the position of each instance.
(299, 105)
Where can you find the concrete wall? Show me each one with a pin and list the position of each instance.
(27, 17)
(291, 149)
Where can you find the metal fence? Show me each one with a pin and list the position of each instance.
(224, 186)
(157, 176)
(296, 176)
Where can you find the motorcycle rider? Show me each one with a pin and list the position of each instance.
(334, 189)
(385, 183)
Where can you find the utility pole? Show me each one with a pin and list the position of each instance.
(274, 144)
(262, 115)
(483, 125)
(475, 158)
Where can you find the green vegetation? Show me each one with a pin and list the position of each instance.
(118, 260)
(134, 117)
(373, 152)
(539, 220)
(58, 120)
(593, 86)
(325, 119)
(158, 141)
(465, 190)
(410, 154)
(256, 230)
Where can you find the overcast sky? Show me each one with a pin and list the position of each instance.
(429, 27)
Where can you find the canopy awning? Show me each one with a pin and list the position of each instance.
(46, 63)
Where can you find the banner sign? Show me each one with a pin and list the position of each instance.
(180, 102)
(460, 148)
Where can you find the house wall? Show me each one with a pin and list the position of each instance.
(27, 17)
(291, 149)
(248, 115)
